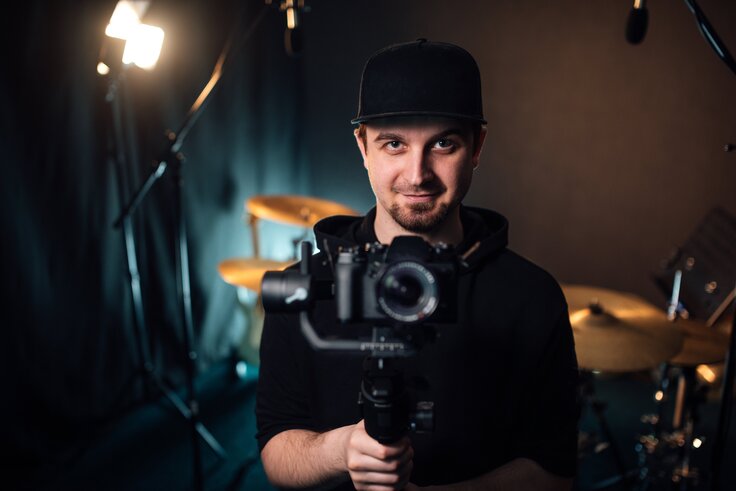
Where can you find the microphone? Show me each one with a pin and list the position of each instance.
(293, 33)
(636, 26)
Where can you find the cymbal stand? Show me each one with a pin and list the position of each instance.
(655, 458)
(587, 392)
(725, 413)
(253, 224)
(726, 410)
(684, 421)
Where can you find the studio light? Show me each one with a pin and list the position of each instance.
(143, 47)
(126, 16)
(142, 42)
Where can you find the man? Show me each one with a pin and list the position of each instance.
(504, 380)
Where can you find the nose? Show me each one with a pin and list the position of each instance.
(418, 168)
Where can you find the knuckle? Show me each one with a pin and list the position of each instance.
(382, 453)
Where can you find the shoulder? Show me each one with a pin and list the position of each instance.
(523, 277)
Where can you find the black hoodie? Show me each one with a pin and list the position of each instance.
(503, 381)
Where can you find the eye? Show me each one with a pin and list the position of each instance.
(393, 146)
(445, 144)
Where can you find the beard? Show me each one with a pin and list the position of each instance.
(419, 218)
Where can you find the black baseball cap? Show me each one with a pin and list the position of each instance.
(420, 78)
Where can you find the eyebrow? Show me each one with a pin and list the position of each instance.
(388, 136)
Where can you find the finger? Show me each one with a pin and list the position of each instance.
(375, 487)
(379, 480)
(366, 444)
(375, 480)
(358, 462)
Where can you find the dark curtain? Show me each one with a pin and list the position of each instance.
(69, 340)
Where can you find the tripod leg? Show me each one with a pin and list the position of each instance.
(145, 360)
(598, 408)
(184, 410)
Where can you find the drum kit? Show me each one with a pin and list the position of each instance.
(247, 273)
(614, 332)
(618, 332)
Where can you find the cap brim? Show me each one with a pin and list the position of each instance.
(404, 114)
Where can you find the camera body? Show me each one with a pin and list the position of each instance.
(408, 282)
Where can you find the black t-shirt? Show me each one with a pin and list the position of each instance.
(503, 381)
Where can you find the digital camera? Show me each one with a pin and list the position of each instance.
(408, 282)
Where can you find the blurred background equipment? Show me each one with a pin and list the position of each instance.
(142, 48)
(300, 211)
(619, 332)
(707, 262)
(246, 274)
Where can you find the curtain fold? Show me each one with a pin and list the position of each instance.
(70, 348)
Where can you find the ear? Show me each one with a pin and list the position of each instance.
(361, 145)
(479, 147)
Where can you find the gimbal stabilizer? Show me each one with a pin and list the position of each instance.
(385, 403)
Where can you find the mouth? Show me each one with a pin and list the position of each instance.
(420, 197)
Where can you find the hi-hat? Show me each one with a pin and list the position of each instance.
(619, 332)
(303, 211)
(248, 272)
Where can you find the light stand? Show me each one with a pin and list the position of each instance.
(171, 157)
(147, 368)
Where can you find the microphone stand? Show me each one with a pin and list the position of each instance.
(171, 156)
(724, 418)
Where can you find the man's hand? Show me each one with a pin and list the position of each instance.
(376, 467)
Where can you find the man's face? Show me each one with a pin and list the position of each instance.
(419, 168)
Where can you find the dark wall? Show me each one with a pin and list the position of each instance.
(603, 155)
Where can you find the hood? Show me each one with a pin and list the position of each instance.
(486, 233)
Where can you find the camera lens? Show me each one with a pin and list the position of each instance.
(407, 292)
(404, 290)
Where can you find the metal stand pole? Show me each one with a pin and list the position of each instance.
(171, 155)
(185, 294)
(724, 416)
(587, 381)
(188, 411)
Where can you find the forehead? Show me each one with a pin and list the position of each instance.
(418, 124)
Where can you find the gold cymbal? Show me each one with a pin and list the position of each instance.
(619, 332)
(248, 272)
(702, 344)
(303, 211)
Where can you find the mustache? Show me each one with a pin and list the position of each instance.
(428, 188)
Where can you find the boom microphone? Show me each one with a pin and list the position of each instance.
(293, 33)
(636, 26)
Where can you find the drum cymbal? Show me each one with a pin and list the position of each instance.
(248, 272)
(702, 344)
(619, 332)
(303, 211)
